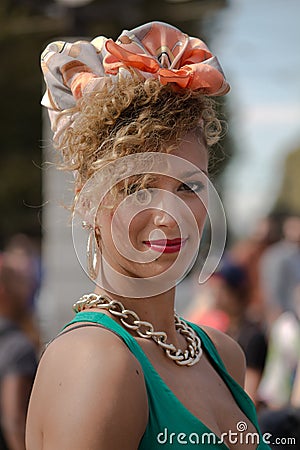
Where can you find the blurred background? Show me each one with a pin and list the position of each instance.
(256, 43)
(256, 169)
(254, 296)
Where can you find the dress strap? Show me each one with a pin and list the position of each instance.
(209, 346)
(75, 327)
(100, 319)
(242, 399)
(84, 325)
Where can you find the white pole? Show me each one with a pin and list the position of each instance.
(64, 280)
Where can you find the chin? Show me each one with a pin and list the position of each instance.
(163, 264)
(159, 267)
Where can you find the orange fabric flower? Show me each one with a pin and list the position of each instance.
(155, 50)
(169, 55)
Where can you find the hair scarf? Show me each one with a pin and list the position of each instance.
(156, 50)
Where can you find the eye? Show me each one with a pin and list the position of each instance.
(142, 195)
(192, 186)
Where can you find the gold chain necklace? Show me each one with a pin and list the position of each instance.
(144, 329)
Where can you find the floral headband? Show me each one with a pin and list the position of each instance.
(156, 50)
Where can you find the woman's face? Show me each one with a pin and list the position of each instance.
(169, 225)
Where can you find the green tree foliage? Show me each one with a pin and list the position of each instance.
(20, 156)
(25, 28)
(288, 200)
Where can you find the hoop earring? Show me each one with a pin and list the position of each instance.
(92, 254)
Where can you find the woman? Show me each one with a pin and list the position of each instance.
(134, 121)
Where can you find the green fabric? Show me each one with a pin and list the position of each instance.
(167, 414)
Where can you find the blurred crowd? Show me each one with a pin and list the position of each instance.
(254, 297)
(19, 336)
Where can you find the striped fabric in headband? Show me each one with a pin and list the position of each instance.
(156, 50)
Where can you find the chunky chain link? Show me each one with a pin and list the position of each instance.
(145, 329)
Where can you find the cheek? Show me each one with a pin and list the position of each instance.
(199, 212)
(104, 220)
(119, 230)
(138, 225)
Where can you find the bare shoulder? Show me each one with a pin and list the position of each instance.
(230, 352)
(89, 381)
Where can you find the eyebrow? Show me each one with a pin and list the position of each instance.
(195, 172)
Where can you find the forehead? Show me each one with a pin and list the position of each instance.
(192, 149)
(187, 157)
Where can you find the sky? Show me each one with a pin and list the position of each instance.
(257, 43)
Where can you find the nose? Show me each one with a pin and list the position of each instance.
(166, 210)
(162, 218)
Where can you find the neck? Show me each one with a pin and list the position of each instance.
(158, 310)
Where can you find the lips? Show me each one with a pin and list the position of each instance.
(166, 245)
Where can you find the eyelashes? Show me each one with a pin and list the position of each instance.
(140, 191)
(192, 186)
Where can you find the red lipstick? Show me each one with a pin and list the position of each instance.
(166, 245)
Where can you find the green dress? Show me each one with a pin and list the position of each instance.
(170, 424)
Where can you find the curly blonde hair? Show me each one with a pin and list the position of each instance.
(133, 116)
